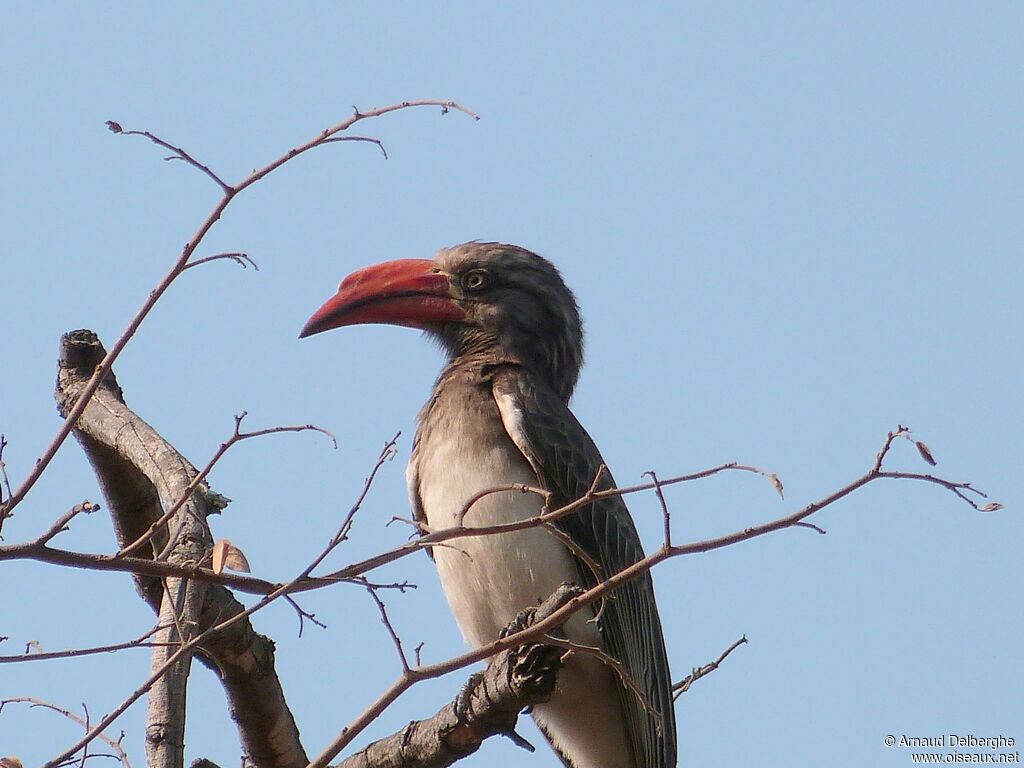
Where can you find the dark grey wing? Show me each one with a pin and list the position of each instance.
(566, 462)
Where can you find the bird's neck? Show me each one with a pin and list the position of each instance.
(556, 367)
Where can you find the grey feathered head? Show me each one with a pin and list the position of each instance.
(491, 300)
(516, 303)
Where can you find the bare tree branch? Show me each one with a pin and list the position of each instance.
(200, 478)
(413, 675)
(114, 744)
(139, 642)
(678, 689)
(256, 585)
(558, 617)
(181, 263)
(179, 153)
(488, 705)
(218, 620)
(5, 482)
(243, 260)
(141, 474)
(378, 142)
(61, 523)
(386, 621)
(617, 667)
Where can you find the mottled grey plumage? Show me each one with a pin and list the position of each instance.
(567, 462)
(499, 414)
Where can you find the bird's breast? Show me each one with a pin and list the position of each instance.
(488, 579)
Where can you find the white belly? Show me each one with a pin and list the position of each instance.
(489, 579)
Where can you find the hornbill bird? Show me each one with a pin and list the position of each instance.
(499, 414)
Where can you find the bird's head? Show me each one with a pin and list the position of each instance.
(476, 298)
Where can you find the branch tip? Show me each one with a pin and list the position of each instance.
(242, 259)
(678, 689)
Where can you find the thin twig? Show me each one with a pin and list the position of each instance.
(242, 259)
(303, 614)
(387, 453)
(440, 537)
(61, 524)
(33, 702)
(395, 639)
(378, 142)
(139, 642)
(179, 153)
(5, 483)
(473, 500)
(279, 591)
(899, 432)
(678, 689)
(592, 565)
(665, 514)
(960, 489)
(85, 724)
(585, 558)
(812, 526)
(179, 265)
(558, 617)
(627, 682)
(236, 437)
(345, 125)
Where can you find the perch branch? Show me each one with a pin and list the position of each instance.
(488, 705)
(255, 585)
(559, 616)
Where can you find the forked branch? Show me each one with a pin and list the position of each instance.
(230, 191)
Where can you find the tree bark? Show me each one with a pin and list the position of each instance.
(488, 705)
(142, 475)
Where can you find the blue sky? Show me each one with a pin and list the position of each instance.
(790, 227)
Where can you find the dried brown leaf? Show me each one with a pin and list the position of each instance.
(992, 506)
(220, 554)
(926, 454)
(235, 560)
(776, 483)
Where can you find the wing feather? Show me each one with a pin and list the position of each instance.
(567, 461)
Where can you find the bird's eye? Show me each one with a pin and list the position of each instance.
(474, 280)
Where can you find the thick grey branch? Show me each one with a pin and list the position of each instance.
(142, 475)
(488, 705)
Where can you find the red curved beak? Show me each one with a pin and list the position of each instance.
(409, 292)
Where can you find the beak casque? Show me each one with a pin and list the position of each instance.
(409, 292)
